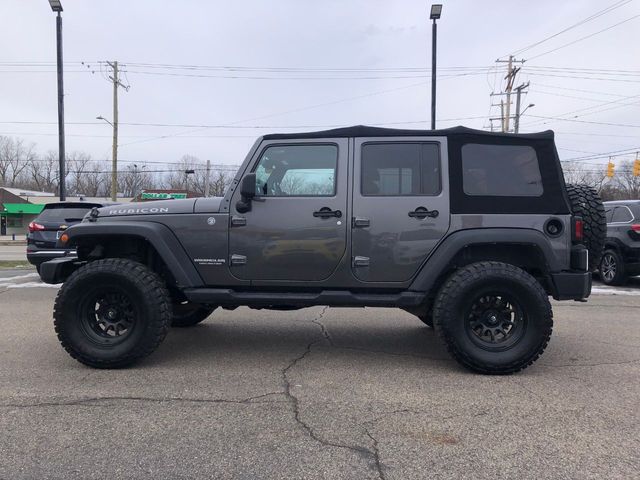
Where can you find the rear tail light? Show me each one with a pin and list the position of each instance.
(35, 227)
(636, 227)
(578, 229)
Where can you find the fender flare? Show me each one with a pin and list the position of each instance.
(440, 259)
(158, 235)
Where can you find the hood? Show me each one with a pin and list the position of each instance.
(163, 207)
(160, 207)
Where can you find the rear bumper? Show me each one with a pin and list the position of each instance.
(571, 285)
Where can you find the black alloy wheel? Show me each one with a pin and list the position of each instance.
(495, 321)
(107, 315)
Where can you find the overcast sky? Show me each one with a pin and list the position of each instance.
(313, 64)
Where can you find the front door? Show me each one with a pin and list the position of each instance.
(296, 228)
(400, 206)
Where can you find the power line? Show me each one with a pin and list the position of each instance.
(585, 121)
(625, 80)
(586, 109)
(581, 22)
(626, 151)
(225, 126)
(584, 38)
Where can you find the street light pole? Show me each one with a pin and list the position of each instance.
(436, 11)
(56, 6)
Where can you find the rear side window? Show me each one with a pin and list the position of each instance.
(397, 169)
(609, 214)
(622, 215)
(500, 170)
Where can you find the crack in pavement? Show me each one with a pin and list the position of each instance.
(329, 339)
(379, 465)
(97, 401)
(295, 404)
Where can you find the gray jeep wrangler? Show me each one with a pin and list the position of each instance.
(468, 230)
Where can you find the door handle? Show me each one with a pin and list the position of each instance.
(423, 212)
(360, 222)
(237, 221)
(326, 212)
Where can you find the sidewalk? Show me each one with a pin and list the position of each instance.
(20, 239)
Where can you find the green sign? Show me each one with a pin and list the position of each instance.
(161, 196)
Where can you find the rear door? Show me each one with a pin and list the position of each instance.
(296, 229)
(400, 206)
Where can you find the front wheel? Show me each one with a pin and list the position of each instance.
(112, 312)
(493, 317)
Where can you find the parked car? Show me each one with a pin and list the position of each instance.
(45, 230)
(621, 258)
(470, 231)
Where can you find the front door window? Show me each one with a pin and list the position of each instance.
(297, 170)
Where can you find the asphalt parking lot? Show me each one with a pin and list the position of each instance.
(319, 393)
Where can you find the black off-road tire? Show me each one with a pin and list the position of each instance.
(101, 298)
(454, 316)
(188, 314)
(427, 320)
(586, 203)
(612, 268)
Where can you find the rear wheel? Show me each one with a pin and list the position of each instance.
(612, 271)
(189, 314)
(493, 317)
(112, 312)
(586, 203)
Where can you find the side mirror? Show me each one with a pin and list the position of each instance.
(248, 187)
(247, 192)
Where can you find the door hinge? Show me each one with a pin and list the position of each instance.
(238, 259)
(360, 261)
(360, 222)
(237, 221)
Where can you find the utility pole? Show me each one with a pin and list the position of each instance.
(115, 79)
(436, 11)
(207, 179)
(516, 123)
(56, 6)
(114, 147)
(510, 78)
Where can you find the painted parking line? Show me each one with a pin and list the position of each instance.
(30, 285)
(19, 277)
(614, 291)
(24, 281)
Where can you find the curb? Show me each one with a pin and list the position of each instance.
(15, 243)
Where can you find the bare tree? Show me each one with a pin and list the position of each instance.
(219, 182)
(15, 156)
(576, 172)
(627, 185)
(43, 173)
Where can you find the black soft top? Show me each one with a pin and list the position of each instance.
(366, 131)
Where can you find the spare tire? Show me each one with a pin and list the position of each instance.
(586, 203)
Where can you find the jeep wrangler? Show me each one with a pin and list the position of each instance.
(470, 231)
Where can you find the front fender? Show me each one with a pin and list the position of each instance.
(159, 236)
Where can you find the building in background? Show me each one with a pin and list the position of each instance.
(19, 207)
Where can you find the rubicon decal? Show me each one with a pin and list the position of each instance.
(126, 211)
